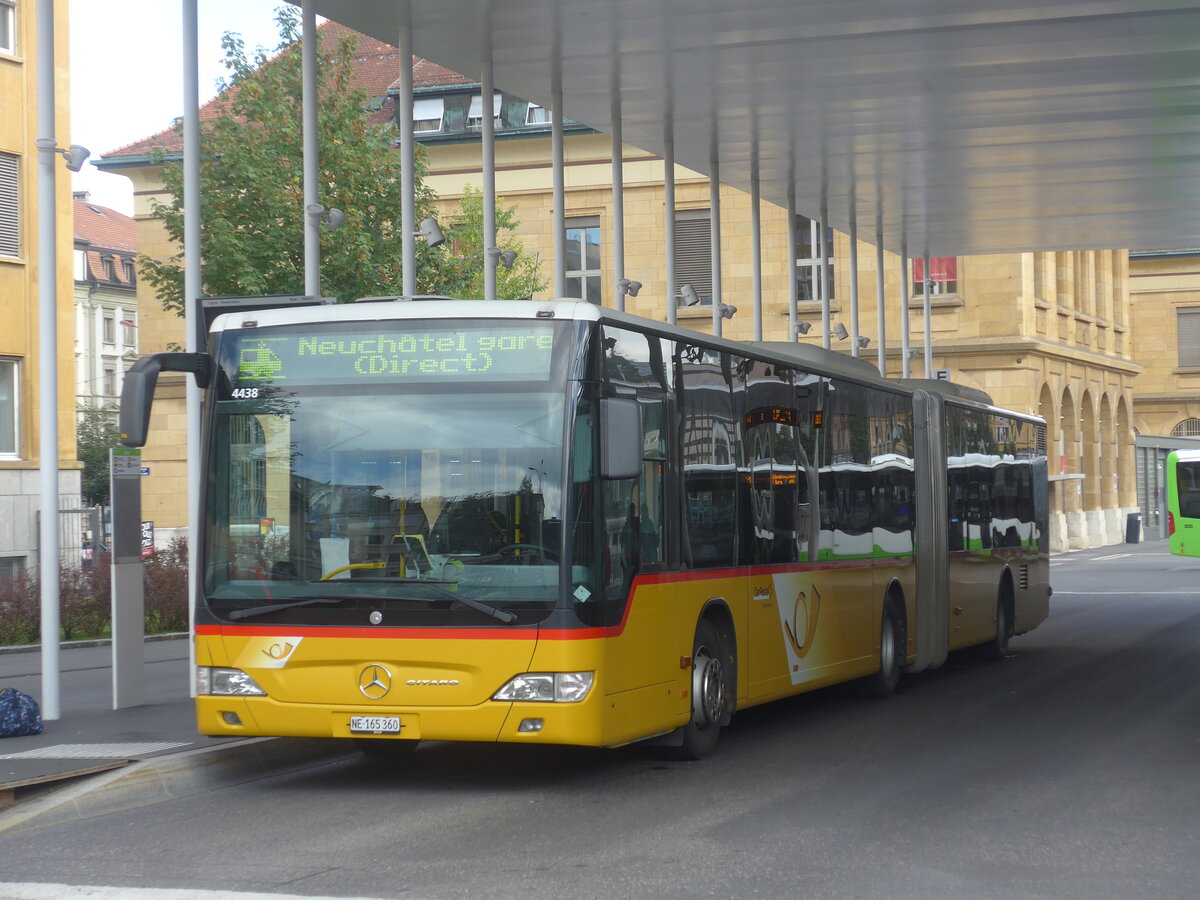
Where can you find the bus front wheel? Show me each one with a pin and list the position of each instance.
(711, 691)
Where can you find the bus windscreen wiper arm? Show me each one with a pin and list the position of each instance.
(487, 609)
(276, 607)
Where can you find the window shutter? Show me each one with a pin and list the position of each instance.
(10, 212)
(693, 253)
(1188, 321)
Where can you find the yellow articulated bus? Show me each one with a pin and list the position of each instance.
(1183, 502)
(548, 522)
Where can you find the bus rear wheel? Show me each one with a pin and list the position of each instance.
(997, 648)
(710, 696)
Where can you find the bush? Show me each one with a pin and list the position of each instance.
(85, 599)
(20, 610)
(166, 587)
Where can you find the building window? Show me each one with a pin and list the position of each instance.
(808, 260)
(11, 567)
(8, 26)
(110, 269)
(583, 259)
(693, 253)
(943, 276)
(109, 385)
(9, 407)
(475, 114)
(128, 331)
(1188, 428)
(1187, 319)
(10, 205)
(109, 335)
(537, 115)
(130, 270)
(427, 115)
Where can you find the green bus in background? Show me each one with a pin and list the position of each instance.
(1183, 502)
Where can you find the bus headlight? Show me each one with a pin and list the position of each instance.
(226, 683)
(547, 687)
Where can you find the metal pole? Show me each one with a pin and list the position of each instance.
(880, 318)
(756, 248)
(928, 321)
(408, 199)
(824, 262)
(488, 90)
(853, 278)
(793, 286)
(47, 360)
(905, 337)
(196, 338)
(312, 221)
(669, 217)
(618, 203)
(714, 200)
(558, 165)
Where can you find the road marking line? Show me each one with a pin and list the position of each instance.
(32, 891)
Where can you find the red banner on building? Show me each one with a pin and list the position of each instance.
(941, 269)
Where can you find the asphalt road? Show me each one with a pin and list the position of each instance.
(1071, 769)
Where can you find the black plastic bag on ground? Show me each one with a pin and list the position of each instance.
(19, 714)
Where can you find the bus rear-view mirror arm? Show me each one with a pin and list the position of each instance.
(620, 438)
(137, 391)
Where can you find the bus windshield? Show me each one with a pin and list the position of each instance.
(384, 499)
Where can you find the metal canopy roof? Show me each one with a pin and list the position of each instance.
(967, 126)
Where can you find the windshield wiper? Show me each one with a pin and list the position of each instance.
(276, 607)
(501, 615)
(487, 609)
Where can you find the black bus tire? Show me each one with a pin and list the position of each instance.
(710, 692)
(883, 683)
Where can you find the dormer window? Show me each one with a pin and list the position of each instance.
(130, 270)
(427, 115)
(537, 115)
(475, 114)
(110, 269)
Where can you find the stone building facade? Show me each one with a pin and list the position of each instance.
(1047, 333)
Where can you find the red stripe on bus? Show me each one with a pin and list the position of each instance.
(508, 632)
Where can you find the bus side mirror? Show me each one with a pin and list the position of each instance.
(137, 390)
(620, 438)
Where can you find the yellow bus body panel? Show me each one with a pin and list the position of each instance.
(796, 629)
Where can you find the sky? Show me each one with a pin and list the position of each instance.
(127, 73)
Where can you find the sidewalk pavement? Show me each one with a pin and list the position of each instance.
(94, 758)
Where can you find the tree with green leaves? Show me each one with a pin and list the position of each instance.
(96, 433)
(520, 281)
(252, 185)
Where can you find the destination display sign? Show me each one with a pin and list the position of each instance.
(500, 353)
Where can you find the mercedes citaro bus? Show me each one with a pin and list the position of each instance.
(548, 522)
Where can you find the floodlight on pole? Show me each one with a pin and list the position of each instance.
(629, 287)
(75, 155)
(863, 341)
(802, 328)
(431, 231)
(688, 293)
(331, 218)
(839, 332)
(505, 258)
(726, 310)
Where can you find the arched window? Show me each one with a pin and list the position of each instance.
(1189, 428)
